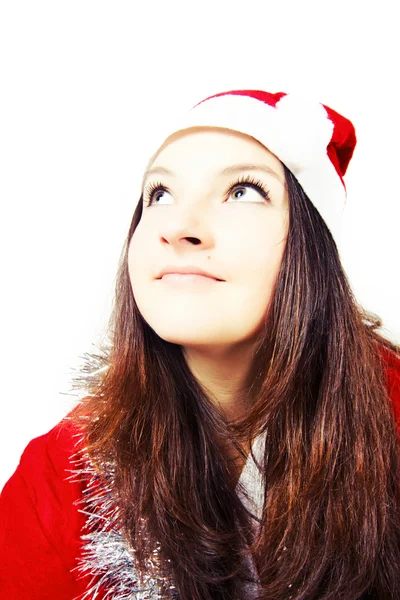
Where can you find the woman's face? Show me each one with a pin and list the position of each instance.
(233, 233)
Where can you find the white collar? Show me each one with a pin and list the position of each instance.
(250, 487)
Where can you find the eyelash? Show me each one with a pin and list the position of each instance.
(244, 181)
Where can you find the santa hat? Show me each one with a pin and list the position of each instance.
(314, 142)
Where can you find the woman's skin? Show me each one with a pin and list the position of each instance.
(240, 238)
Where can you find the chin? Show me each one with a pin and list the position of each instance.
(200, 339)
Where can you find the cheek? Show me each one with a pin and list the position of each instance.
(261, 273)
(257, 269)
(139, 254)
(132, 256)
(257, 249)
(136, 263)
(260, 284)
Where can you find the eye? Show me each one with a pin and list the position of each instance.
(153, 192)
(242, 186)
(245, 192)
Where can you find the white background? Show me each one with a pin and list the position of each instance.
(84, 82)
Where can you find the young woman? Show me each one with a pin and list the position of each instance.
(237, 436)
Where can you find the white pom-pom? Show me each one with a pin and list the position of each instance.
(302, 131)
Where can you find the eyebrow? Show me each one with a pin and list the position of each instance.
(228, 170)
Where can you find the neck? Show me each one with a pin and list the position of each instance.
(223, 374)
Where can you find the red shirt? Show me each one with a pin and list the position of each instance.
(40, 526)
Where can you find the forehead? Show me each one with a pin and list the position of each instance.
(212, 150)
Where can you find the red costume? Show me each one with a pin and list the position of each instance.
(41, 525)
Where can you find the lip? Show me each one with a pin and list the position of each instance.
(186, 270)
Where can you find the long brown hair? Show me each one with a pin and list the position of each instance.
(330, 525)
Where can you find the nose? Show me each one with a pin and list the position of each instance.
(187, 226)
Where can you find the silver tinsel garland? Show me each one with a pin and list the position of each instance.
(106, 555)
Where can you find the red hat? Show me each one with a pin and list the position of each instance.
(314, 142)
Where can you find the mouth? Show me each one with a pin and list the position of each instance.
(191, 273)
(188, 279)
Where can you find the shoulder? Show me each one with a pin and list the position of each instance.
(55, 449)
(46, 471)
(47, 463)
(391, 362)
(40, 521)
